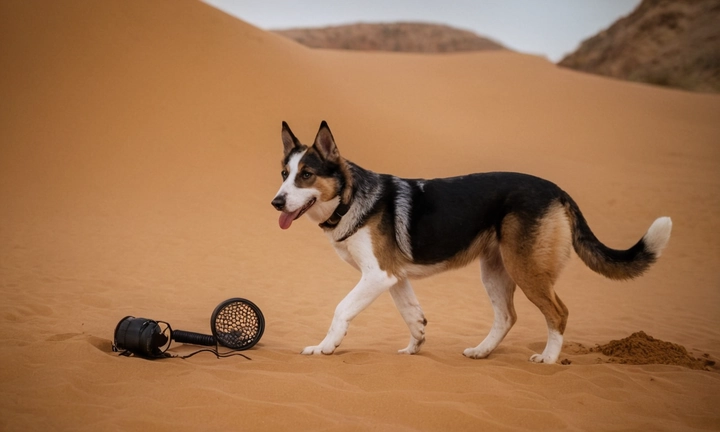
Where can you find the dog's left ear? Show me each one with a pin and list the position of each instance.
(325, 144)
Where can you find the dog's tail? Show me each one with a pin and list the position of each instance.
(613, 263)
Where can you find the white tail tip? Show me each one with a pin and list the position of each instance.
(657, 237)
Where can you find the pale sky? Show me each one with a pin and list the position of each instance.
(551, 28)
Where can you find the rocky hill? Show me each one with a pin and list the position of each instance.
(403, 37)
(664, 42)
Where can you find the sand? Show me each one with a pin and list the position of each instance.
(139, 153)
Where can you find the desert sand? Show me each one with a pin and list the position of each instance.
(139, 152)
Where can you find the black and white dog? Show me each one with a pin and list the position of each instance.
(520, 227)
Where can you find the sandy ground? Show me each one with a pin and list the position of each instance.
(139, 152)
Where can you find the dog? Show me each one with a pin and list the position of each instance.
(521, 228)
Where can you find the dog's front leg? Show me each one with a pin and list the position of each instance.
(409, 307)
(373, 283)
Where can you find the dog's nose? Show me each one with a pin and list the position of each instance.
(279, 202)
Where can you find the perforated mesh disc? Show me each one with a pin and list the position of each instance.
(237, 323)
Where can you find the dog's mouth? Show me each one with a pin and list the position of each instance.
(287, 218)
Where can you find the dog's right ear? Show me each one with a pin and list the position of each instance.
(288, 139)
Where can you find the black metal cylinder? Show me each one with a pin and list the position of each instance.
(140, 336)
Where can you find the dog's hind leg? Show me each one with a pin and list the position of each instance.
(536, 268)
(541, 293)
(409, 307)
(500, 288)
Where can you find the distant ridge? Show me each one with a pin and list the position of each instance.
(398, 37)
(663, 42)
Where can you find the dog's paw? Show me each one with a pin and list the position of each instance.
(317, 349)
(541, 358)
(413, 347)
(410, 350)
(476, 353)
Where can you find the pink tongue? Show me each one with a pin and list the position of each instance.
(286, 219)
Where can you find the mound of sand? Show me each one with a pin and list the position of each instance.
(641, 349)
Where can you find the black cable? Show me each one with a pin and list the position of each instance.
(215, 351)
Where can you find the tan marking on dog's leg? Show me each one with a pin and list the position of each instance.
(553, 243)
(409, 307)
(501, 289)
(384, 247)
(535, 264)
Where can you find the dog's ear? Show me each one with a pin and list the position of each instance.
(325, 144)
(288, 139)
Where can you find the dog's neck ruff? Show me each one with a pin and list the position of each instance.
(334, 219)
(340, 211)
(366, 189)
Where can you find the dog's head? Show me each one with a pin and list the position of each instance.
(314, 178)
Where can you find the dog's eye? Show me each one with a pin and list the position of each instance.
(284, 174)
(306, 175)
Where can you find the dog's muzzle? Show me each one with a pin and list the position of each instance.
(279, 202)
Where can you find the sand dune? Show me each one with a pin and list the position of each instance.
(414, 37)
(139, 152)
